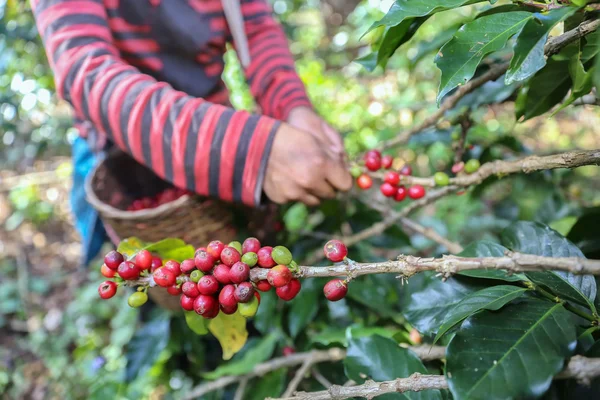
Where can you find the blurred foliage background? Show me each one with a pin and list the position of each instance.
(58, 341)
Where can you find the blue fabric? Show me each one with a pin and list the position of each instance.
(87, 220)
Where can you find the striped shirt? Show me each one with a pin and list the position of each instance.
(146, 76)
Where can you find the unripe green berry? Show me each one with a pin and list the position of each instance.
(248, 310)
(356, 171)
(137, 299)
(455, 135)
(250, 258)
(281, 255)
(196, 275)
(236, 245)
(472, 166)
(441, 179)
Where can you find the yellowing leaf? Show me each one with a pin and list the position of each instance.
(130, 246)
(230, 331)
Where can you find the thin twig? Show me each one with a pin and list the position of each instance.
(298, 377)
(430, 233)
(239, 393)
(319, 377)
(465, 124)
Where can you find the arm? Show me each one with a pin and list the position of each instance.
(204, 147)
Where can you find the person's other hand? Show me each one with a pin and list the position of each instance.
(307, 120)
(299, 169)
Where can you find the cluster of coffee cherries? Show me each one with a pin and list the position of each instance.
(391, 187)
(166, 196)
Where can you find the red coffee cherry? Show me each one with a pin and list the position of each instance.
(416, 192)
(264, 257)
(128, 271)
(335, 250)
(239, 272)
(190, 289)
(215, 248)
(289, 291)
(113, 259)
(280, 275)
(230, 256)
(387, 190)
(288, 351)
(208, 285)
(143, 259)
(372, 154)
(204, 261)
(227, 296)
(221, 272)
(187, 303)
(187, 266)
(406, 170)
(107, 289)
(263, 285)
(156, 263)
(456, 168)
(174, 290)
(164, 277)
(173, 266)
(250, 245)
(228, 310)
(387, 161)
(335, 290)
(392, 177)
(400, 193)
(207, 306)
(244, 292)
(107, 272)
(373, 163)
(364, 182)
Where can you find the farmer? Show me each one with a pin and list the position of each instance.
(145, 76)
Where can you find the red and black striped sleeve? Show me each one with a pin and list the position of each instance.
(204, 147)
(271, 74)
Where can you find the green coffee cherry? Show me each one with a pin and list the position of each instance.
(356, 171)
(196, 275)
(236, 245)
(137, 299)
(472, 166)
(281, 255)
(455, 135)
(250, 258)
(248, 310)
(441, 179)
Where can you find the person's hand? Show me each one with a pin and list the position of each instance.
(307, 120)
(299, 169)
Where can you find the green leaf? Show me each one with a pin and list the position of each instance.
(485, 248)
(172, 249)
(585, 233)
(529, 49)
(130, 246)
(591, 47)
(304, 307)
(493, 354)
(381, 359)
(492, 298)
(146, 345)
(270, 385)
(395, 37)
(369, 62)
(459, 58)
(376, 292)
(582, 79)
(535, 238)
(197, 323)
(295, 217)
(259, 353)
(333, 335)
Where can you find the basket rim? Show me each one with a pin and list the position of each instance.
(113, 212)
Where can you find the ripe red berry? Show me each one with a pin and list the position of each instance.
(250, 245)
(173, 266)
(400, 193)
(174, 290)
(215, 248)
(392, 177)
(257, 295)
(187, 266)
(372, 154)
(373, 163)
(387, 161)
(190, 289)
(107, 289)
(156, 263)
(143, 259)
(208, 285)
(289, 291)
(288, 351)
(230, 256)
(207, 306)
(107, 272)
(227, 296)
(187, 303)
(364, 182)
(128, 271)
(228, 310)
(221, 272)
(387, 189)
(263, 286)
(406, 170)
(264, 257)
(416, 192)
(335, 250)
(164, 277)
(280, 275)
(204, 261)
(335, 290)
(244, 292)
(113, 259)
(456, 168)
(239, 272)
